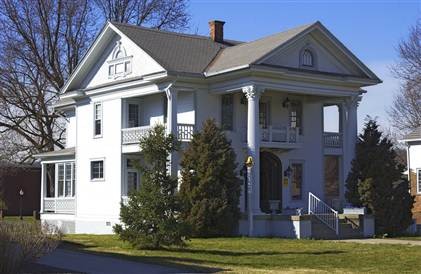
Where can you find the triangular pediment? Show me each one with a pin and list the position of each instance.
(328, 55)
(112, 57)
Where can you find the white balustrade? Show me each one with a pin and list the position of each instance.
(332, 139)
(60, 205)
(277, 134)
(185, 132)
(133, 135)
(323, 212)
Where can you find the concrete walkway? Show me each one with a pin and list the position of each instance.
(95, 264)
(382, 241)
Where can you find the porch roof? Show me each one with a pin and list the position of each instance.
(57, 153)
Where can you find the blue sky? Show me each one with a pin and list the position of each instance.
(370, 29)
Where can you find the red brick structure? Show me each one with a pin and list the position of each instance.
(13, 178)
(416, 210)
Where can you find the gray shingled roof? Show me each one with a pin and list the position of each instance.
(414, 135)
(196, 54)
(248, 53)
(57, 153)
(174, 51)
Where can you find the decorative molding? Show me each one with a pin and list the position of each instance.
(121, 61)
(252, 91)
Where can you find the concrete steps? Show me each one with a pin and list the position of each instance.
(347, 230)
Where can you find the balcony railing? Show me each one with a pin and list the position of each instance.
(60, 205)
(332, 139)
(277, 134)
(133, 135)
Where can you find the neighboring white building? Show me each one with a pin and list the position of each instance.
(413, 149)
(269, 95)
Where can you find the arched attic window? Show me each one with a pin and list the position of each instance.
(307, 58)
(120, 65)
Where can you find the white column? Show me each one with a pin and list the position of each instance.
(172, 125)
(350, 133)
(253, 142)
(43, 185)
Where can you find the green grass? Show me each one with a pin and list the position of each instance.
(252, 255)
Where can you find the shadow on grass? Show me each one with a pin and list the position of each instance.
(188, 263)
(185, 264)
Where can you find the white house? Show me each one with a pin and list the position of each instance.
(413, 149)
(268, 94)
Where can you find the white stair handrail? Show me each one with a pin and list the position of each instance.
(323, 212)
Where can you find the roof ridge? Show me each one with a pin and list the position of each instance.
(196, 36)
(305, 26)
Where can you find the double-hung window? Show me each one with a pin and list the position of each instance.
(296, 181)
(98, 119)
(97, 170)
(66, 179)
(227, 112)
(295, 115)
(133, 115)
(132, 176)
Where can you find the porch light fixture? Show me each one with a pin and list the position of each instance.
(288, 172)
(286, 103)
(21, 193)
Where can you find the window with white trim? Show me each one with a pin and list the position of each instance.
(297, 180)
(97, 169)
(97, 119)
(419, 181)
(66, 179)
(227, 112)
(120, 65)
(307, 58)
(133, 114)
(295, 115)
(133, 178)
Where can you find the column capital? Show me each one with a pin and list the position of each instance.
(252, 91)
(353, 101)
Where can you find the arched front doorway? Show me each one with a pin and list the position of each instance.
(270, 180)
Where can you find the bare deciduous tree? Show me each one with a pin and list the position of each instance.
(41, 43)
(159, 14)
(405, 112)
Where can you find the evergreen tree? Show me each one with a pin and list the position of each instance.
(376, 181)
(210, 188)
(151, 219)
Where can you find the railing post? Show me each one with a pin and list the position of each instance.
(270, 133)
(309, 203)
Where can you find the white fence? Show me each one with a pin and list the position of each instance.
(323, 212)
(133, 135)
(281, 134)
(60, 205)
(332, 139)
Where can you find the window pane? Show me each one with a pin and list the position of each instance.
(133, 115)
(119, 68)
(263, 115)
(295, 115)
(73, 179)
(68, 180)
(296, 181)
(51, 180)
(132, 181)
(98, 111)
(97, 169)
(227, 112)
(111, 70)
(98, 127)
(60, 181)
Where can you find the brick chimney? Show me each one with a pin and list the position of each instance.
(216, 29)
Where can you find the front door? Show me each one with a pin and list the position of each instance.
(270, 181)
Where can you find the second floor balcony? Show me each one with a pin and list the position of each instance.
(132, 135)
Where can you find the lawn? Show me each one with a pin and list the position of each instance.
(253, 255)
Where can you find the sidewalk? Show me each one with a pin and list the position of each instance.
(383, 241)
